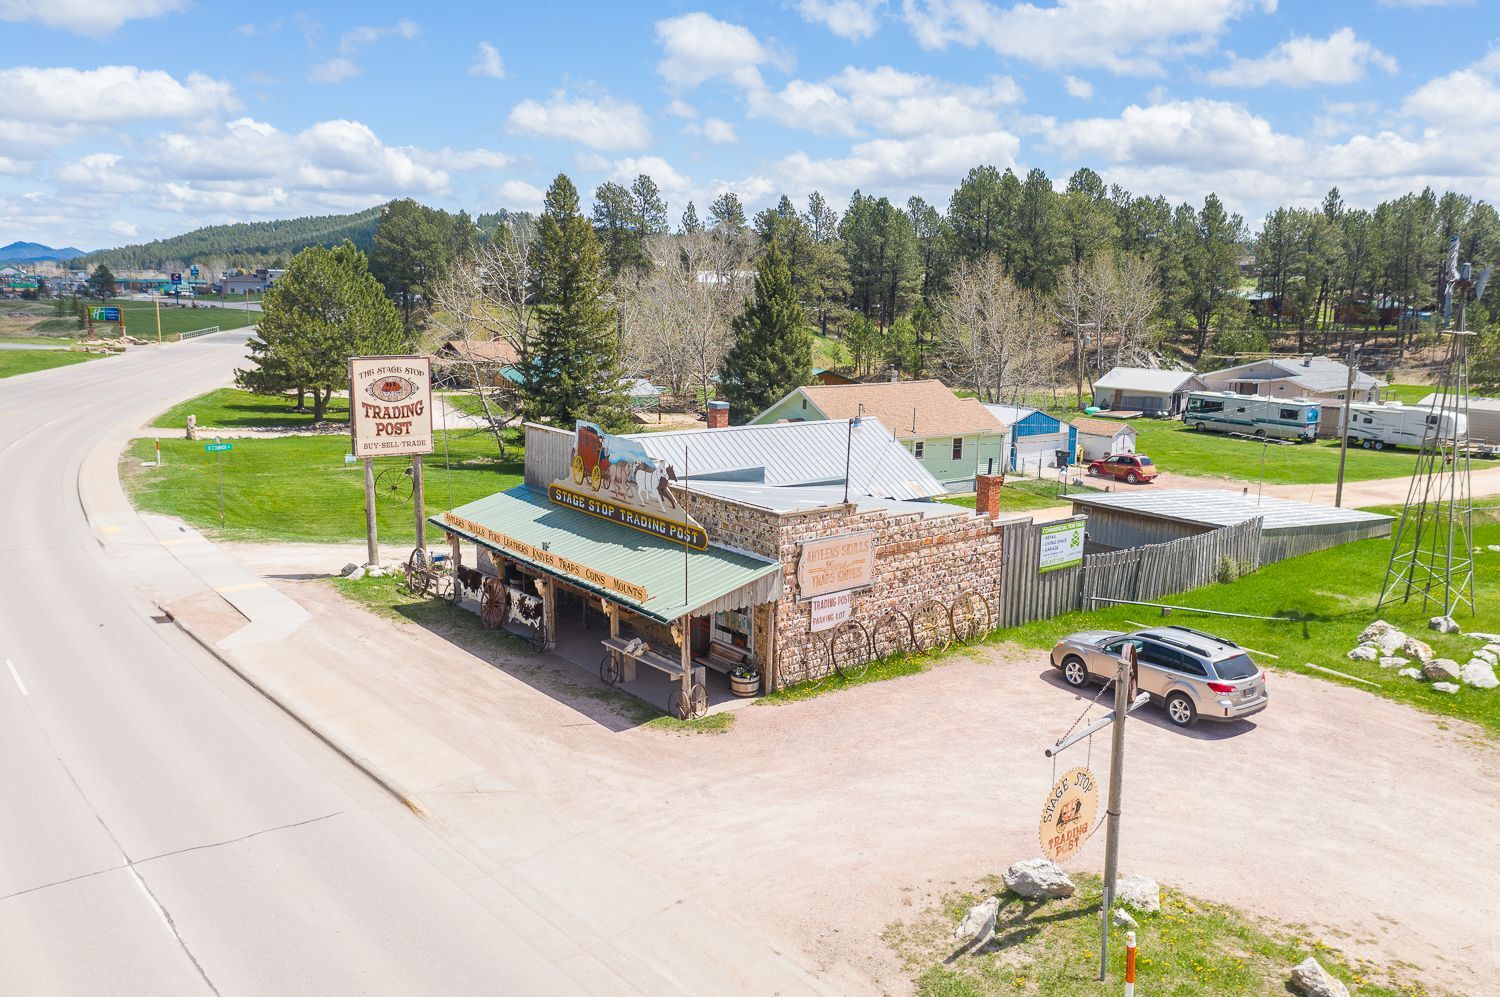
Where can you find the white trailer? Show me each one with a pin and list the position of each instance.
(1391, 424)
(1253, 415)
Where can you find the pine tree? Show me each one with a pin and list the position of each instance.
(575, 366)
(772, 353)
(690, 222)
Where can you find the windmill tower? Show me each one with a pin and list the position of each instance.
(1433, 555)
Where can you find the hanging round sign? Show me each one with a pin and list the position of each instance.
(1068, 814)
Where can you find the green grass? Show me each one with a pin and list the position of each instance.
(828, 353)
(231, 408)
(298, 488)
(1180, 450)
(893, 667)
(13, 362)
(1189, 947)
(1022, 495)
(1407, 394)
(59, 326)
(140, 319)
(38, 340)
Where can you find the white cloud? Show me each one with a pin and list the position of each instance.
(518, 195)
(98, 172)
(886, 100)
(855, 20)
(681, 109)
(1123, 36)
(1205, 134)
(716, 130)
(335, 70)
(95, 18)
(603, 123)
(673, 185)
(12, 167)
(124, 228)
(367, 34)
(1301, 61)
(489, 62)
(107, 95)
(697, 47)
(1466, 98)
(1082, 89)
(30, 140)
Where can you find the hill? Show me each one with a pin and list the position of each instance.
(242, 243)
(34, 252)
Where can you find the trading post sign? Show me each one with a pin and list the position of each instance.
(615, 479)
(1068, 815)
(832, 564)
(390, 406)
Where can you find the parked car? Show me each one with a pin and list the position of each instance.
(1191, 674)
(1134, 468)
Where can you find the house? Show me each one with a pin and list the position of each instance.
(240, 283)
(1102, 438)
(954, 438)
(824, 376)
(1484, 417)
(1317, 378)
(1142, 389)
(463, 363)
(1034, 437)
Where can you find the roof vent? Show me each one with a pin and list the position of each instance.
(1307, 360)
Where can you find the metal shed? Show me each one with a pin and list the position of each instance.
(1034, 436)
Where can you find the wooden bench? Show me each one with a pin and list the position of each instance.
(650, 659)
(722, 658)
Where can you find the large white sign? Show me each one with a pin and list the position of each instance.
(836, 563)
(1062, 545)
(390, 406)
(828, 611)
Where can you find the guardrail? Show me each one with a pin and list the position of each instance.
(209, 331)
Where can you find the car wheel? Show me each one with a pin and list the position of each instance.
(1198, 427)
(1380, 444)
(1365, 444)
(1260, 434)
(1093, 471)
(1180, 710)
(1133, 478)
(1074, 673)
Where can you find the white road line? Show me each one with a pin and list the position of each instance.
(17, 676)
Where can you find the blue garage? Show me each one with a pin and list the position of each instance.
(1035, 437)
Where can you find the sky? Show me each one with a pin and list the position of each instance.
(128, 120)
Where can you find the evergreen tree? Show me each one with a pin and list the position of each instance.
(690, 222)
(413, 248)
(772, 352)
(575, 367)
(726, 212)
(102, 282)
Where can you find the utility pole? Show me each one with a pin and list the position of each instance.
(372, 548)
(419, 502)
(1338, 492)
(1124, 690)
(158, 321)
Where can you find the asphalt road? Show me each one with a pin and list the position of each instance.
(164, 829)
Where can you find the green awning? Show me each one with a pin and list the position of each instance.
(613, 560)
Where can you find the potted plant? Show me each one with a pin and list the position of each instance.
(744, 680)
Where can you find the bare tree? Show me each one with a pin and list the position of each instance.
(1106, 305)
(996, 339)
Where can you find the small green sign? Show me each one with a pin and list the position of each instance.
(215, 447)
(1061, 545)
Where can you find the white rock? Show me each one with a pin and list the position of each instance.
(1441, 670)
(1479, 674)
(1486, 656)
(1038, 879)
(1443, 624)
(1311, 979)
(1417, 650)
(1121, 919)
(978, 924)
(1140, 892)
(1377, 629)
(356, 574)
(1364, 652)
(1493, 648)
(1394, 662)
(375, 571)
(349, 569)
(1493, 547)
(1411, 673)
(1447, 687)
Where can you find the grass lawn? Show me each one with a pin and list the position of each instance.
(1180, 450)
(1189, 947)
(298, 488)
(140, 319)
(1407, 394)
(38, 340)
(231, 408)
(13, 362)
(1022, 495)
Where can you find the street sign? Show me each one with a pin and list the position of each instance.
(104, 313)
(176, 279)
(1068, 815)
(193, 269)
(216, 447)
(349, 458)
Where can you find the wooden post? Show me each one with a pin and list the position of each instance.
(418, 501)
(372, 547)
(456, 547)
(686, 624)
(549, 611)
(1123, 693)
(768, 681)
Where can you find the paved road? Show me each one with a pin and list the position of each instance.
(164, 830)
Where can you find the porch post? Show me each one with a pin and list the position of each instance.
(549, 612)
(687, 655)
(456, 547)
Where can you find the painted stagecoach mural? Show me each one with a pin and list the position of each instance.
(614, 478)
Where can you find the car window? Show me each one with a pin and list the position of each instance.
(1238, 667)
(1117, 645)
(1145, 461)
(1166, 657)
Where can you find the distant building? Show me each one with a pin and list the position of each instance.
(240, 283)
(1033, 437)
(1102, 438)
(1313, 377)
(1484, 417)
(1143, 389)
(825, 376)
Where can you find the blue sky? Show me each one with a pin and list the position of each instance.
(124, 120)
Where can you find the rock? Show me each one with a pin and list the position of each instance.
(1416, 650)
(349, 569)
(356, 574)
(1364, 652)
(1495, 548)
(1441, 670)
(1394, 662)
(1479, 674)
(1038, 879)
(1140, 892)
(1377, 629)
(1447, 687)
(1493, 648)
(978, 925)
(1121, 919)
(1311, 979)
(1390, 642)
(1411, 673)
(1487, 656)
(375, 571)
(1443, 625)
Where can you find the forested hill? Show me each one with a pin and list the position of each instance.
(242, 243)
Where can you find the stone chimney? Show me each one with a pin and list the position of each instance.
(718, 415)
(987, 494)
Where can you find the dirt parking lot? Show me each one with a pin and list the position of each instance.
(823, 821)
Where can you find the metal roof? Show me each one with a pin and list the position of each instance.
(1145, 379)
(796, 498)
(1212, 507)
(1312, 373)
(1476, 403)
(1009, 415)
(657, 565)
(799, 453)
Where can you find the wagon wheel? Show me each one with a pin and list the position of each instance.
(394, 484)
(849, 647)
(445, 587)
(970, 618)
(891, 636)
(577, 469)
(492, 604)
(689, 707)
(539, 637)
(931, 629)
(609, 669)
(596, 478)
(416, 572)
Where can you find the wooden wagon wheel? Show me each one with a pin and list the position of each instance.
(609, 668)
(931, 629)
(577, 469)
(445, 587)
(849, 647)
(395, 484)
(539, 637)
(492, 604)
(969, 618)
(416, 572)
(891, 636)
(689, 707)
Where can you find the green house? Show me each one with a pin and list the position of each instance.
(954, 438)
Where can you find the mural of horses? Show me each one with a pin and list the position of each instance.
(651, 485)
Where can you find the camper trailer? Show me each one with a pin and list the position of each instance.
(1253, 415)
(1391, 424)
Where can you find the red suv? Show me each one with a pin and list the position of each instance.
(1133, 468)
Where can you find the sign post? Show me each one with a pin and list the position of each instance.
(217, 448)
(390, 414)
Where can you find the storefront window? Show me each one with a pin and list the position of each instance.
(732, 627)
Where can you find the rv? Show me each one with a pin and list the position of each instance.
(1391, 424)
(1253, 415)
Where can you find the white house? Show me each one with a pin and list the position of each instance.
(1102, 438)
(1142, 389)
(1318, 378)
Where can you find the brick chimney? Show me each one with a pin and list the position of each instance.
(987, 494)
(718, 415)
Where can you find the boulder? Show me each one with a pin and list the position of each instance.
(1493, 648)
(1376, 630)
(1479, 674)
(978, 925)
(349, 569)
(375, 571)
(1038, 879)
(1410, 673)
(1447, 687)
(356, 574)
(1394, 662)
(1441, 670)
(1364, 652)
(1140, 892)
(1311, 979)
(1485, 655)
(1121, 919)
(1443, 624)
(1417, 650)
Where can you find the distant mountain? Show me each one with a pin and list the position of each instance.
(35, 252)
(242, 243)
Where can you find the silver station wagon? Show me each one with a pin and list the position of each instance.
(1191, 674)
